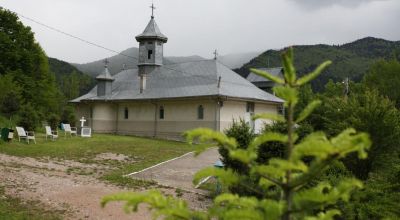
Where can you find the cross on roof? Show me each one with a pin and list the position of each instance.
(106, 62)
(215, 54)
(152, 10)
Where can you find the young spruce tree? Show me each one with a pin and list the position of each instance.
(290, 178)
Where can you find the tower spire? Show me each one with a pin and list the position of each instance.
(152, 10)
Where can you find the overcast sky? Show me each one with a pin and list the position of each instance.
(197, 27)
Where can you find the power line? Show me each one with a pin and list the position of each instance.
(73, 36)
(116, 52)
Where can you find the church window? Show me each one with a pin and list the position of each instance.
(161, 112)
(126, 113)
(200, 112)
(149, 53)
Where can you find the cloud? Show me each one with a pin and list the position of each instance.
(317, 4)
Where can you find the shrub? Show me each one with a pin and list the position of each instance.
(28, 117)
(68, 116)
(243, 134)
(53, 120)
(273, 149)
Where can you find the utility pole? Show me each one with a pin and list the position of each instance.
(346, 89)
(215, 54)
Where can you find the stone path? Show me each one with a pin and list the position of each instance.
(179, 173)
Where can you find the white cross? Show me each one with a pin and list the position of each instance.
(82, 121)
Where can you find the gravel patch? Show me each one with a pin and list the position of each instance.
(49, 182)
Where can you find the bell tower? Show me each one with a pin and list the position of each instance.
(150, 46)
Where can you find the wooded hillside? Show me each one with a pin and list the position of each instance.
(349, 60)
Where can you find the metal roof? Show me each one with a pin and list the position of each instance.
(190, 79)
(276, 71)
(152, 31)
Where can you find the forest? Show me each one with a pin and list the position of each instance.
(34, 88)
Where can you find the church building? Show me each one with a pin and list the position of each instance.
(164, 101)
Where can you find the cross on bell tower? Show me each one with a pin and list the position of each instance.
(106, 62)
(152, 10)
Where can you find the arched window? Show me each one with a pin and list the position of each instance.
(200, 112)
(126, 113)
(161, 112)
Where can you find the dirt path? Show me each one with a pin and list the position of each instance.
(179, 173)
(78, 195)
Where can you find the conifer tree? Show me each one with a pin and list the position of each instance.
(289, 181)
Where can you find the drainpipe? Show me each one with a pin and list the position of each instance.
(155, 118)
(219, 105)
(91, 114)
(217, 118)
(116, 118)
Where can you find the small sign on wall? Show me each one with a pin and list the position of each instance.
(86, 132)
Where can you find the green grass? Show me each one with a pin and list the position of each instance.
(142, 153)
(16, 209)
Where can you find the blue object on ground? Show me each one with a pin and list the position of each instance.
(219, 164)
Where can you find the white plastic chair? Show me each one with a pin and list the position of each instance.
(52, 134)
(22, 134)
(70, 130)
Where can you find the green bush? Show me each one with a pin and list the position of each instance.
(273, 149)
(53, 120)
(241, 131)
(29, 118)
(68, 116)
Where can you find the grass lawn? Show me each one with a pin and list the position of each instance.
(13, 208)
(142, 152)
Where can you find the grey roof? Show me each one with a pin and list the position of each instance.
(190, 79)
(276, 71)
(152, 31)
(105, 75)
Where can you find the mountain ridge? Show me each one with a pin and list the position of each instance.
(127, 59)
(349, 60)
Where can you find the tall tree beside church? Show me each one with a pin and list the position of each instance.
(24, 62)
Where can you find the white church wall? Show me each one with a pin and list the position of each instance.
(103, 117)
(231, 110)
(237, 110)
(140, 119)
(179, 116)
(259, 108)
